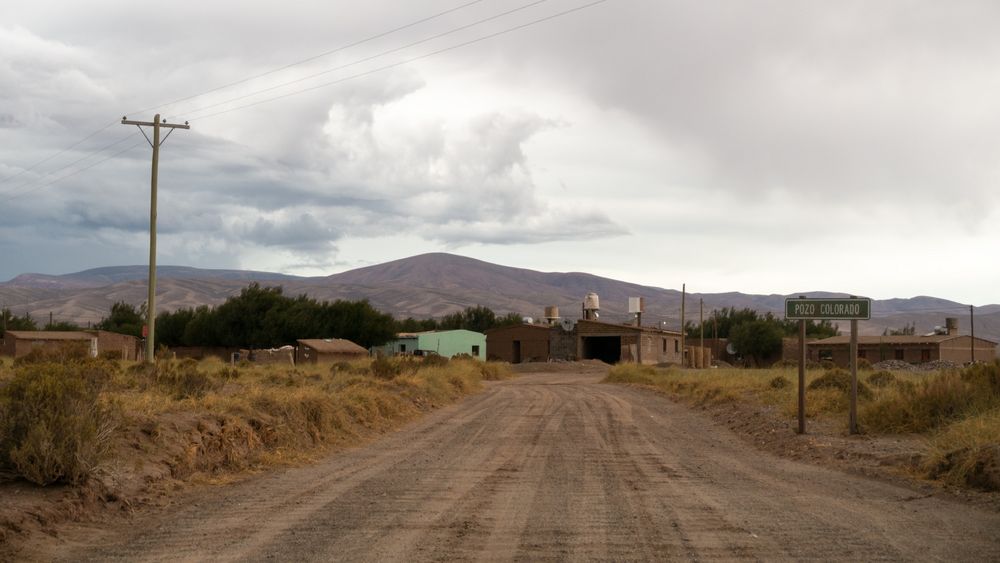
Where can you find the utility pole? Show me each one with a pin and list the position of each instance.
(155, 143)
(701, 326)
(683, 297)
(972, 326)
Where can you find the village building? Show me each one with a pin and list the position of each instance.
(946, 344)
(447, 343)
(521, 343)
(328, 350)
(587, 340)
(18, 343)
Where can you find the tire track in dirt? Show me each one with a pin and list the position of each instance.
(551, 467)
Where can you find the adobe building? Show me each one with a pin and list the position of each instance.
(586, 340)
(328, 350)
(616, 343)
(18, 343)
(520, 343)
(915, 349)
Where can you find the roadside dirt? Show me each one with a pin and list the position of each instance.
(549, 466)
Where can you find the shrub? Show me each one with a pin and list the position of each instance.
(340, 367)
(864, 364)
(986, 377)
(841, 380)
(779, 382)
(785, 364)
(182, 378)
(63, 352)
(53, 426)
(927, 405)
(435, 360)
(384, 368)
(881, 378)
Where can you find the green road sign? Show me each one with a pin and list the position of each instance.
(828, 309)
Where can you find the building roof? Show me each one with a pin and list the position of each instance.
(50, 335)
(333, 346)
(525, 325)
(646, 329)
(892, 340)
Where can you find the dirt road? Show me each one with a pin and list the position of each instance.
(551, 467)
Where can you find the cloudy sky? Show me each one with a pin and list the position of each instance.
(755, 146)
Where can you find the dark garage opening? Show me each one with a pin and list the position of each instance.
(608, 349)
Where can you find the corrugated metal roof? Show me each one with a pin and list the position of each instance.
(333, 346)
(50, 335)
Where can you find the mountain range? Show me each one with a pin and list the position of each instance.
(434, 285)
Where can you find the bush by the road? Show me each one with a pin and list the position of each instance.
(958, 410)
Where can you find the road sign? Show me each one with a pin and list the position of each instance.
(829, 309)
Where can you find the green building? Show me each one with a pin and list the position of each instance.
(445, 343)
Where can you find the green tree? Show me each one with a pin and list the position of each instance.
(12, 322)
(62, 326)
(125, 318)
(757, 340)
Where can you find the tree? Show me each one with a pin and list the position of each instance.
(907, 330)
(124, 319)
(757, 340)
(12, 322)
(61, 326)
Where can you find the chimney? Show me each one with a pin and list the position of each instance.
(951, 325)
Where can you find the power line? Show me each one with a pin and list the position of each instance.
(75, 162)
(70, 175)
(410, 60)
(285, 67)
(314, 57)
(371, 57)
(54, 155)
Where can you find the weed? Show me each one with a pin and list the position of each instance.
(881, 378)
(840, 380)
(779, 382)
(53, 425)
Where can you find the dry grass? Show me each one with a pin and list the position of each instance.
(219, 418)
(958, 411)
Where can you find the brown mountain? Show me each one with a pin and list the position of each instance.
(433, 285)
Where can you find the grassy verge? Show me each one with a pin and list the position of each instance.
(958, 411)
(62, 421)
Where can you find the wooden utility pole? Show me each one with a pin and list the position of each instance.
(683, 297)
(701, 326)
(155, 143)
(972, 327)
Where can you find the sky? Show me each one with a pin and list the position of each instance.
(754, 146)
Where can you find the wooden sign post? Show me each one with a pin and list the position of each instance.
(804, 309)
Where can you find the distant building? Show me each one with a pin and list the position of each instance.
(586, 340)
(520, 343)
(914, 349)
(18, 343)
(329, 350)
(447, 343)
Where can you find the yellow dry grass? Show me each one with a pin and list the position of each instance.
(958, 411)
(258, 415)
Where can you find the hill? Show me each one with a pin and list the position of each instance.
(433, 285)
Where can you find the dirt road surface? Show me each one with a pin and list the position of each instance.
(550, 467)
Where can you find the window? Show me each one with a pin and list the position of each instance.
(664, 345)
(862, 354)
(677, 346)
(826, 355)
(925, 355)
(898, 353)
(475, 350)
(402, 348)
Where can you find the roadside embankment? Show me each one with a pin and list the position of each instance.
(81, 436)
(942, 426)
